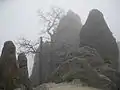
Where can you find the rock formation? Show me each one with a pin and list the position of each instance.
(118, 43)
(8, 65)
(86, 66)
(96, 33)
(35, 77)
(67, 32)
(66, 39)
(23, 71)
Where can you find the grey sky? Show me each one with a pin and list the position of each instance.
(19, 17)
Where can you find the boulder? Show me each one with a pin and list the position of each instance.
(95, 33)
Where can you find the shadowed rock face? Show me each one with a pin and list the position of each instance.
(8, 66)
(118, 43)
(86, 65)
(8, 49)
(22, 60)
(23, 71)
(68, 31)
(8, 56)
(96, 33)
(35, 76)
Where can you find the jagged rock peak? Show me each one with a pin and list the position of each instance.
(68, 29)
(72, 14)
(96, 12)
(70, 18)
(95, 16)
(96, 33)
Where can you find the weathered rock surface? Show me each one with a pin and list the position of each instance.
(13, 74)
(91, 54)
(36, 75)
(118, 43)
(96, 33)
(23, 72)
(86, 66)
(86, 75)
(8, 66)
(68, 30)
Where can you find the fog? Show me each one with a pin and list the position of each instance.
(20, 18)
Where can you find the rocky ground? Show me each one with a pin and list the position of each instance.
(64, 86)
(74, 85)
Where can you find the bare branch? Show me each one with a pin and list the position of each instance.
(51, 20)
(27, 46)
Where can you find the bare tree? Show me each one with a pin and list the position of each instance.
(27, 46)
(50, 20)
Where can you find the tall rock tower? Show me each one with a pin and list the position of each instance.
(96, 33)
(68, 31)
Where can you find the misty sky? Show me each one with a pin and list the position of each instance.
(20, 17)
